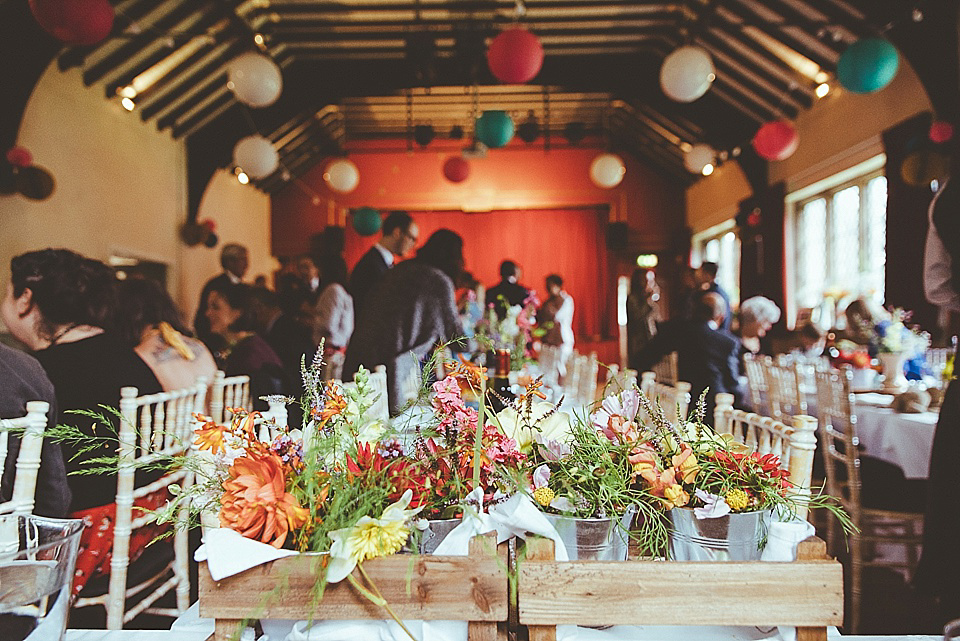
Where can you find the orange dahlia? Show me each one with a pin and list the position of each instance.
(255, 501)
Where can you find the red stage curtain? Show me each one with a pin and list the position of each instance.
(569, 242)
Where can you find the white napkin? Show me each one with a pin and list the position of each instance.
(783, 537)
(228, 552)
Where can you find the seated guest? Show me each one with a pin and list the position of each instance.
(277, 322)
(812, 340)
(235, 260)
(555, 316)
(22, 379)
(410, 311)
(231, 316)
(508, 292)
(757, 316)
(333, 319)
(149, 322)
(61, 305)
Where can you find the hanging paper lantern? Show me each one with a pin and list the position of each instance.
(254, 79)
(256, 156)
(19, 157)
(868, 65)
(515, 56)
(941, 131)
(211, 240)
(776, 140)
(76, 22)
(494, 128)
(366, 220)
(687, 73)
(342, 176)
(922, 167)
(699, 156)
(607, 170)
(456, 169)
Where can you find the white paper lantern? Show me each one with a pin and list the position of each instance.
(256, 156)
(342, 176)
(607, 170)
(698, 157)
(255, 79)
(687, 73)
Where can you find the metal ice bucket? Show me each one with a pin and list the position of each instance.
(734, 537)
(426, 541)
(37, 558)
(594, 539)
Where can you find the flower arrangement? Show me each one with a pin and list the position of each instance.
(515, 331)
(894, 335)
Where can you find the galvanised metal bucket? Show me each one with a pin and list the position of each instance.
(734, 537)
(437, 530)
(594, 539)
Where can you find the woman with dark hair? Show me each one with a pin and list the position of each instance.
(939, 564)
(231, 316)
(411, 309)
(61, 305)
(643, 313)
(149, 322)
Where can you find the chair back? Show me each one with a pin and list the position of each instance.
(756, 366)
(227, 392)
(28, 459)
(154, 427)
(794, 444)
(666, 369)
(785, 396)
(589, 370)
(838, 421)
(551, 364)
(380, 409)
(937, 358)
(673, 400)
(618, 381)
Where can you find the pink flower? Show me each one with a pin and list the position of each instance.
(541, 477)
(625, 405)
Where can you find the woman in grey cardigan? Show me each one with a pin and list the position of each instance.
(410, 310)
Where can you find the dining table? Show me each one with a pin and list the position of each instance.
(900, 438)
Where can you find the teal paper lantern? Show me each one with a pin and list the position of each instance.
(366, 220)
(868, 65)
(494, 128)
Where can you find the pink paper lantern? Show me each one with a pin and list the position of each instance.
(515, 56)
(76, 22)
(776, 140)
(940, 131)
(456, 169)
(19, 157)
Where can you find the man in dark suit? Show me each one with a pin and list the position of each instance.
(235, 260)
(707, 280)
(400, 235)
(508, 292)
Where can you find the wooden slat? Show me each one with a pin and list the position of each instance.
(463, 588)
(804, 593)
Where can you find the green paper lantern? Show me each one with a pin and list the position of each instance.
(868, 65)
(366, 220)
(494, 128)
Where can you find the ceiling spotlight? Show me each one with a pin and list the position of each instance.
(707, 169)
(243, 178)
(917, 15)
(520, 9)
(127, 92)
(258, 38)
(735, 152)
(822, 90)
(821, 77)
(285, 176)
(128, 104)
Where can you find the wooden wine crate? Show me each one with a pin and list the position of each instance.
(807, 593)
(463, 588)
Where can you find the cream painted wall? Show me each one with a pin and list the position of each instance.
(242, 215)
(839, 131)
(121, 189)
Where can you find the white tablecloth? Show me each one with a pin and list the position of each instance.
(133, 635)
(905, 440)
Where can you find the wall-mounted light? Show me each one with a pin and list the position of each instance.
(647, 261)
(243, 178)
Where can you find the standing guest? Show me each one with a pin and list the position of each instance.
(556, 317)
(22, 379)
(508, 292)
(61, 305)
(939, 564)
(643, 313)
(309, 273)
(706, 277)
(149, 322)
(757, 315)
(400, 235)
(277, 321)
(235, 260)
(333, 319)
(409, 311)
(231, 316)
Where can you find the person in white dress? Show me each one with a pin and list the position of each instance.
(555, 317)
(333, 320)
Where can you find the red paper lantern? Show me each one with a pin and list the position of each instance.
(776, 140)
(19, 157)
(76, 22)
(456, 169)
(515, 56)
(940, 131)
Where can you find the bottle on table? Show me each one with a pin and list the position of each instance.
(500, 391)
